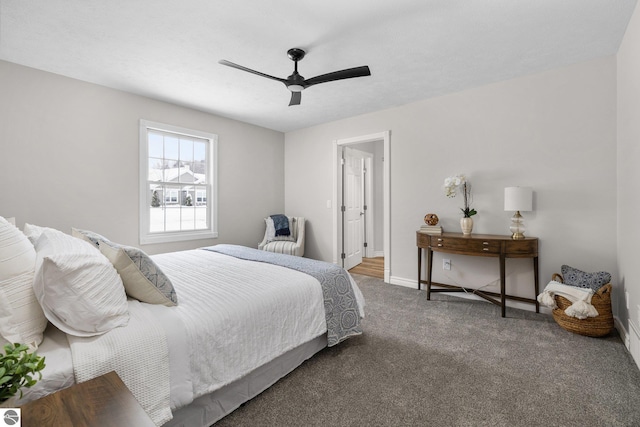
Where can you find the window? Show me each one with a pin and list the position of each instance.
(178, 178)
(201, 197)
(171, 196)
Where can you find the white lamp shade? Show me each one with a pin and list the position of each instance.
(518, 199)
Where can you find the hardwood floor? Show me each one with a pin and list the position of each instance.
(373, 267)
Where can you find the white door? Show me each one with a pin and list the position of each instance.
(354, 207)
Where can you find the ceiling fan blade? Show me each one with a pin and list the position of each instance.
(349, 73)
(249, 70)
(296, 97)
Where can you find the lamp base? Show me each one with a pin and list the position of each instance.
(517, 226)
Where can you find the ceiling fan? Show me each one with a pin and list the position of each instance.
(296, 83)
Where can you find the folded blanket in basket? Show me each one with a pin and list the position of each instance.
(580, 297)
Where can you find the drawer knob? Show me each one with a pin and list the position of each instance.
(439, 244)
(485, 249)
(485, 243)
(439, 240)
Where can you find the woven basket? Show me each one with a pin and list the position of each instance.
(598, 326)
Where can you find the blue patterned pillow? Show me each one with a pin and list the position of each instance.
(142, 278)
(574, 277)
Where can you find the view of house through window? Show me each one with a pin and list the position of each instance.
(178, 183)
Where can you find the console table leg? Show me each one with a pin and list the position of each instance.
(419, 266)
(429, 271)
(536, 281)
(502, 284)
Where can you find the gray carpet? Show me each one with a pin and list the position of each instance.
(453, 362)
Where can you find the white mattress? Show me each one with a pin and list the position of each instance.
(222, 328)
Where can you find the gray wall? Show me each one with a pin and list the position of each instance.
(69, 155)
(554, 131)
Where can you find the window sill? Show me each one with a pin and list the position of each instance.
(179, 236)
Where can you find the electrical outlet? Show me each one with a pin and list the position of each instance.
(446, 264)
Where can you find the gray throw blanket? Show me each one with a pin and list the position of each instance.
(340, 305)
(281, 224)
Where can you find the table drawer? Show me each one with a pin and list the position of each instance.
(466, 245)
(423, 240)
(522, 247)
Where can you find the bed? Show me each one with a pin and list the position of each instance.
(241, 323)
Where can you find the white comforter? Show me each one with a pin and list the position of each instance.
(137, 353)
(229, 307)
(223, 326)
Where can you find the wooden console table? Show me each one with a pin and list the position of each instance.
(485, 245)
(101, 402)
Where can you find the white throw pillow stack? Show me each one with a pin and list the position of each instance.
(73, 281)
(79, 290)
(21, 317)
(142, 278)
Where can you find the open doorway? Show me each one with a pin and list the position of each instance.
(361, 203)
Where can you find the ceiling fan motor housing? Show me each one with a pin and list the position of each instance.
(295, 82)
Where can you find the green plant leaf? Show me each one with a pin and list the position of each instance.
(17, 369)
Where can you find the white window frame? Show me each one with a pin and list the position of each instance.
(211, 232)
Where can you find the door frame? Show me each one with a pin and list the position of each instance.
(337, 195)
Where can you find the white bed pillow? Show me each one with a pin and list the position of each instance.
(33, 232)
(142, 278)
(79, 290)
(21, 318)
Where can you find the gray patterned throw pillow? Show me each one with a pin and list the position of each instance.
(142, 278)
(574, 277)
(88, 236)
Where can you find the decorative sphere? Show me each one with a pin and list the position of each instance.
(431, 219)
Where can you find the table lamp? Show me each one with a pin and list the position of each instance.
(518, 199)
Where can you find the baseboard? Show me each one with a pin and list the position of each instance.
(378, 254)
(622, 331)
(630, 338)
(633, 342)
(403, 282)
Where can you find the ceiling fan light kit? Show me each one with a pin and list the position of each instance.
(296, 83)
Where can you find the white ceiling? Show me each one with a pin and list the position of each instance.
(416, 49)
